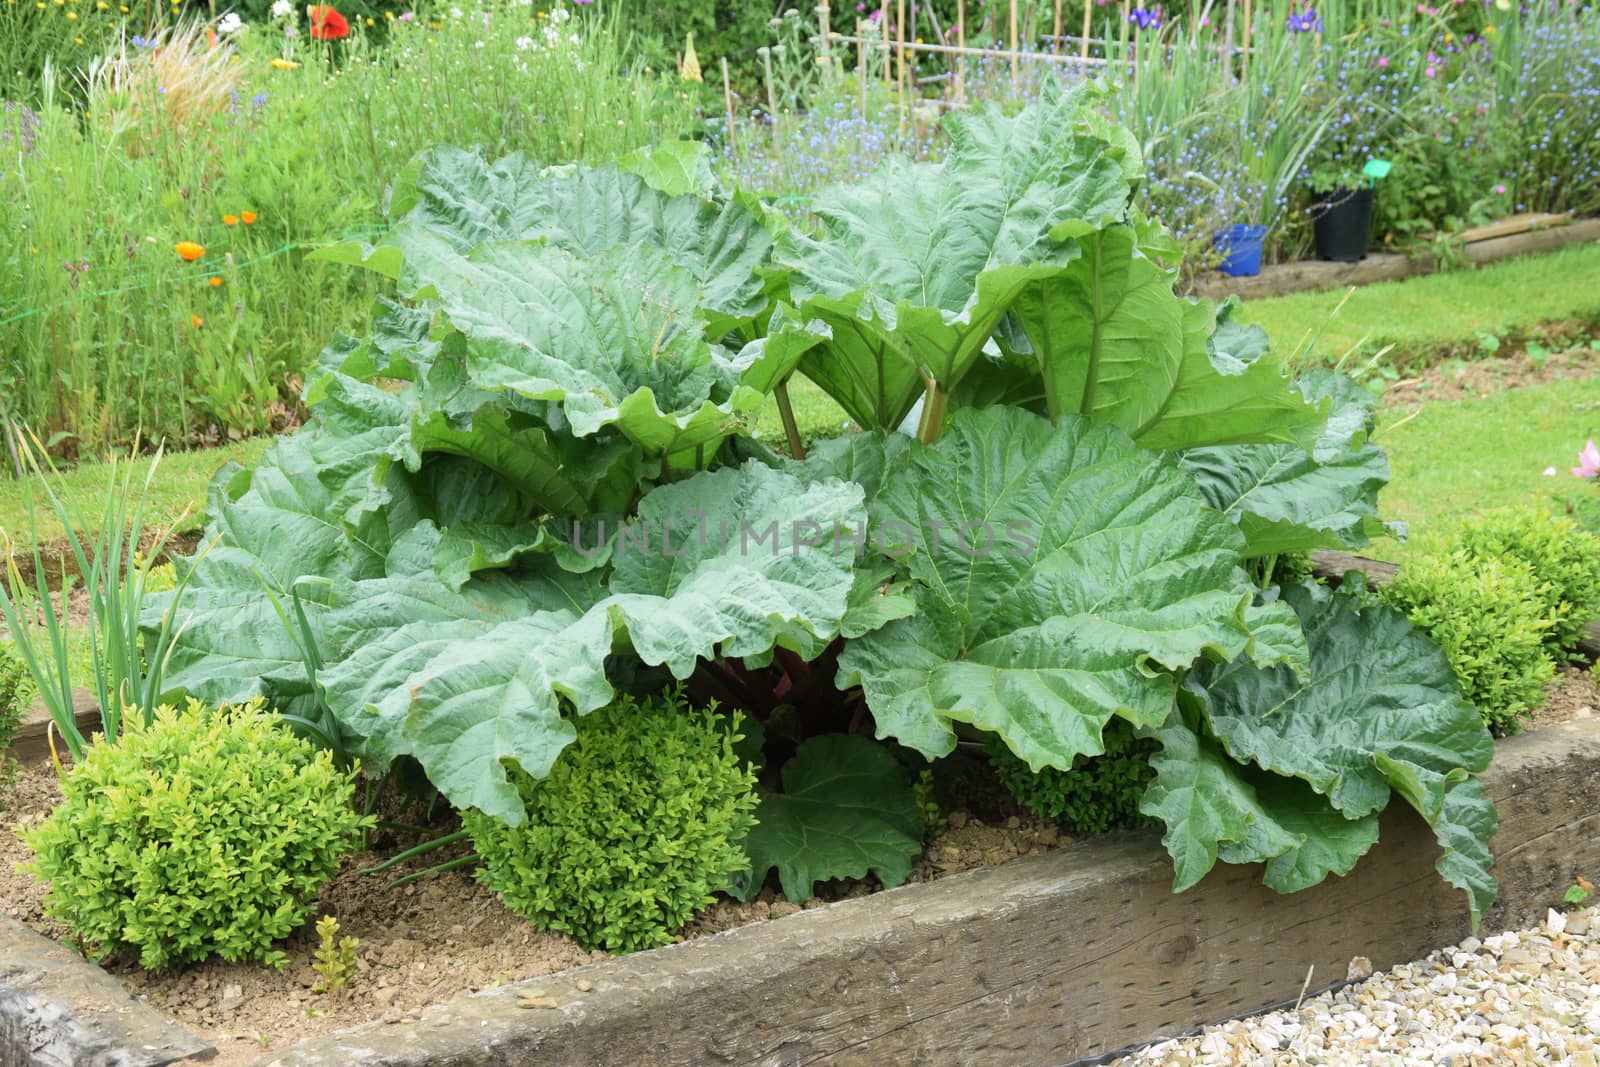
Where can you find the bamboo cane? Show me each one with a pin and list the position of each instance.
(900, 41)
(883, 31)
(1088, 15)
(1244, 61)
(824, 32)
(727, 102)
(861, 66)
(1011, 18)
(961, 58)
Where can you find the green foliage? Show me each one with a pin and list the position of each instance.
(126, 667)
(533, 479)
(845, 809)
(1491, 617)
(1375, 713)
(1562, 555)
(1096, 795)
(634, 827)
(108, 312)
(934, 820)
(16, 688)
(336, 956)
(200, 833)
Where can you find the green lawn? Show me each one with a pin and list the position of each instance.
(1437, 311)
(1452, 460)
(179, 486)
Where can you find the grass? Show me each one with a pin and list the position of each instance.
(177, 493)
(1427, 316)
(1453, 460)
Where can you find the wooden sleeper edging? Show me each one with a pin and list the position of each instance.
(1046, 959)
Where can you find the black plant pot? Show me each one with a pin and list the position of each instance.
(1343, 224)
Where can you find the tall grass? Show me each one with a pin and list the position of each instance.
(106, 333)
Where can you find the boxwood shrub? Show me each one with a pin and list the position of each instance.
(1561, 553)
(1100, 793)
(641, 819)
(1492, 618)
(204, 832)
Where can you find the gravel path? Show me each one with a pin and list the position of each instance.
(1529, 997)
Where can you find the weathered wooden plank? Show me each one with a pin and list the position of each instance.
(1043, 960)
(1530, 220)
(32, 742)
(58, 1010)
(1332, 566)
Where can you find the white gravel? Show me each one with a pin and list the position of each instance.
(1527, 997)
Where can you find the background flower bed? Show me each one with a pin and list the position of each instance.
(105, 332)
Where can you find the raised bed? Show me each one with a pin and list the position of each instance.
(1044, 960)
(1387, 266)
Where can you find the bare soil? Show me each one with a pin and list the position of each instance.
(1463, 379)
(1573, 695)
(427, 941)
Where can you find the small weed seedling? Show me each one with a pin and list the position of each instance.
(336, 957)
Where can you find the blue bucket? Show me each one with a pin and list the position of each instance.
(1240, 246)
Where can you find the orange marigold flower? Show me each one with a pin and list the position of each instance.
(189, 251)
(198, 322)
(326, 23)
(249, 217)
(230, 220)
(215, 282)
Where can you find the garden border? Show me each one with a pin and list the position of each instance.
(1308, 274)
(1049, 958)
(1069, 954)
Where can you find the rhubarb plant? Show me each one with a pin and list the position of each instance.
(532, 486)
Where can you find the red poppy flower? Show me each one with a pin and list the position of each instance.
(326, 23)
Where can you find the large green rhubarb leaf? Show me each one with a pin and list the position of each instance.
(1215, 809)
(1060, 573)
(734, 562)
(1207, 805)
(1378, 710)
(615, 339)
(722, 564)
(1108, 330)
(845, 810)
(1289, 499)
(1106, 337)
(462, 696)
(588, 210)
(1230, 390)
(918, 263)
(280, 531)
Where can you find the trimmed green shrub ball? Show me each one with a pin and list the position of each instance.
(16, 689)
(204, 833)
(1560, 552)
(1492, 619)
(1099, 794)
(641, 819)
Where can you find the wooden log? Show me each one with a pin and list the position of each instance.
(31, 743)
(58, 1008)
(1076, 952)
(1012, 40)
(1515, 224)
